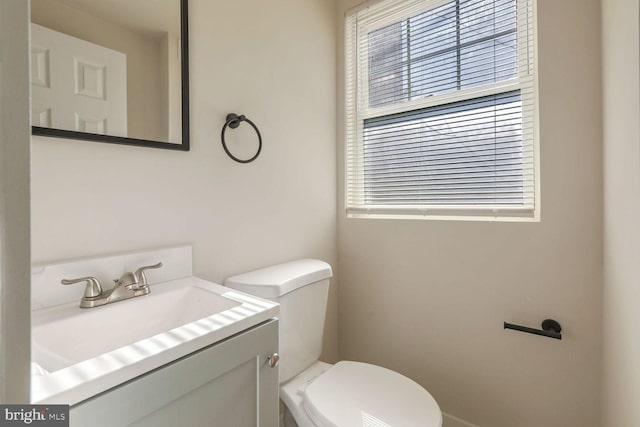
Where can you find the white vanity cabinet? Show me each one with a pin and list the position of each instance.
(227, 384)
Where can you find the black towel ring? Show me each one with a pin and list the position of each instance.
(233, 121)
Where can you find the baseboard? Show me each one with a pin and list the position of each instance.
(451, 421)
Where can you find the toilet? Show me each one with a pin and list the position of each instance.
(346, 394)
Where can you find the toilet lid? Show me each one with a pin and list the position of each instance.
(358, 394)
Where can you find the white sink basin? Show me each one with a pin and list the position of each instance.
(65, 335)
(86, 351)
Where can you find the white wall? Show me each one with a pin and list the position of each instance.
(428, 298)
(15, 269)
(621, 72)
(273, 61)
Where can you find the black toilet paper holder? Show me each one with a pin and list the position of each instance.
(550, 329)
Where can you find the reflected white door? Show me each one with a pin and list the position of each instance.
(77, 85)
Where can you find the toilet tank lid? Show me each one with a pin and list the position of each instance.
(280, 279)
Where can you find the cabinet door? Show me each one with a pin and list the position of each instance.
(226, 384)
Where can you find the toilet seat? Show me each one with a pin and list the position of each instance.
(360, 394)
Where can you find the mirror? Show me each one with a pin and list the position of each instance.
(111, 71)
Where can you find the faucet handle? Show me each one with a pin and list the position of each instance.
(139, 274)
(93, 288)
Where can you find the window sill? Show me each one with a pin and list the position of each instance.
(449, 215)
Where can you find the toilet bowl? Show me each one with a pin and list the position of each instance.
(357, 394)
(346, 394)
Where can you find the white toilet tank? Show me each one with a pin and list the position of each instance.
(301, 288)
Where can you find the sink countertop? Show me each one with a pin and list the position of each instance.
(100, 368)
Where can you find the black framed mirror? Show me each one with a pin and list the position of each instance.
(115, 72)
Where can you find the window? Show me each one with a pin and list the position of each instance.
(440, 108)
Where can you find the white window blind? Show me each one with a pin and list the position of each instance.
(440, 108)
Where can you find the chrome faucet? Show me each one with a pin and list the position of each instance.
(129, 285)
